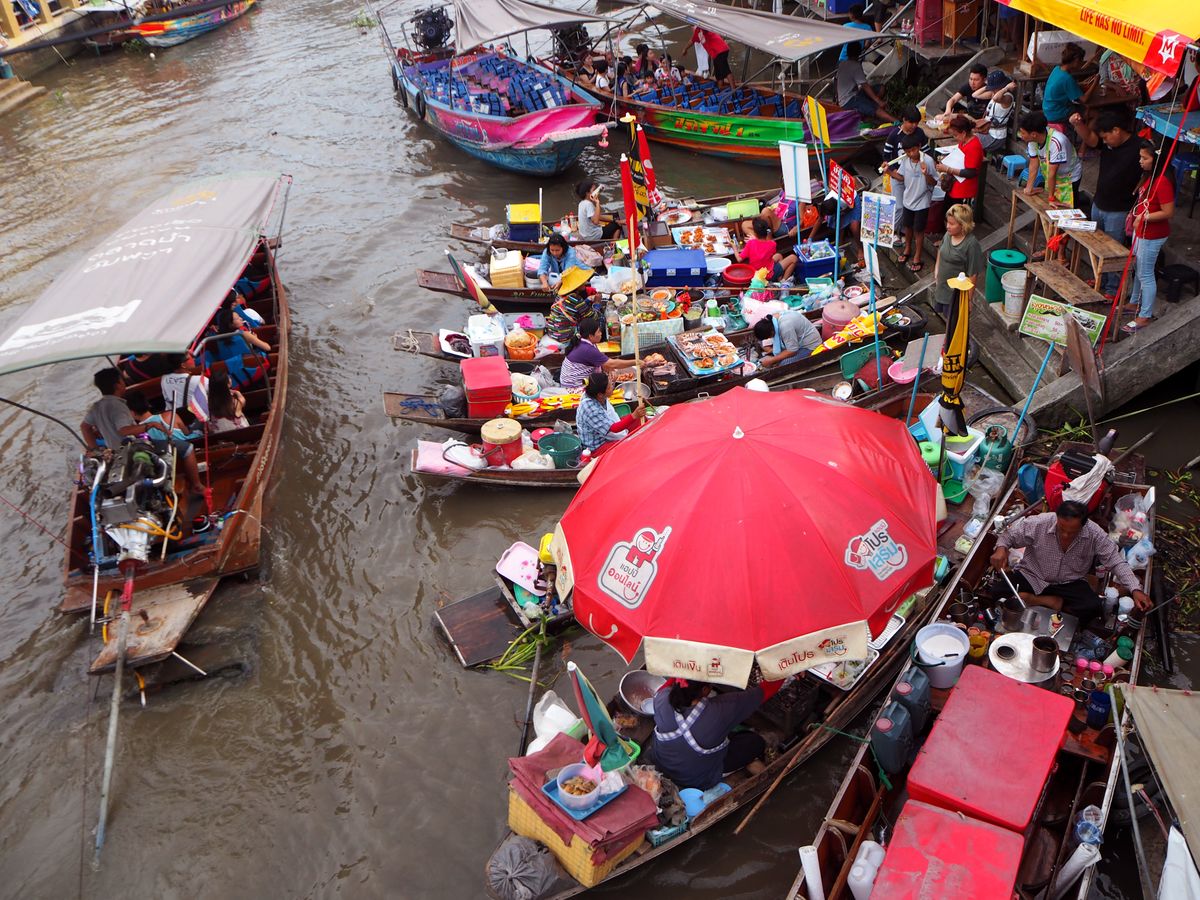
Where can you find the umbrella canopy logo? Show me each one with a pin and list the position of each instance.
(875, 551)
(631, 566)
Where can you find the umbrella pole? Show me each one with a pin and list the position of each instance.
(874, 313)
(1036, 381)
(533, 680)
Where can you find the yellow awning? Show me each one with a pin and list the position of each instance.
(1152, 32)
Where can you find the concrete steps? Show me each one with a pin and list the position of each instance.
(14, 92)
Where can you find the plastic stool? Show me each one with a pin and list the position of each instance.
(1184, 165)
(1178, 275)
(1025, 177)
(1014, 164)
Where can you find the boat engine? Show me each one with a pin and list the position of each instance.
(431, 28)
(571, 44)
(132, 504)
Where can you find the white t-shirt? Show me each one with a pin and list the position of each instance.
(588, 230)
(850, 76)
(1061, 153)
(998, 118)
(917, 191)
(601, 82)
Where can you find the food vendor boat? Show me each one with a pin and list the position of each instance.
(1012, 820)
(167, 32)
(515, 115)
(809, 711)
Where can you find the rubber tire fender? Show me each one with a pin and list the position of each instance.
(419, 106)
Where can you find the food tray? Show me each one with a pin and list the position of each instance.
(550, 789)
(519, 564)
(844, 675)
(723, 245)
(689, 363)
(894, 625)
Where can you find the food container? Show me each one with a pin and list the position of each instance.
(524, 221)
(506, 269)
(815, 259)
(501, 441)
(577, 802)
(941, 651)
(737, 275)
(637, 690)
(835, 316)
(675, 268)
(486, 335)
(717, 264)
(487, 385)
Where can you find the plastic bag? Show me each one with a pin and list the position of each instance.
(547, 346)
(524, 387)
(588, 256)
(523, 869)
(551, 716)
(531, 460)
(453, 402)
(464, 455)
(543, 377)
(648, 779)
(1138, 556)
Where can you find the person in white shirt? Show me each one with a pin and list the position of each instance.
(916, 173)
(1050, 152)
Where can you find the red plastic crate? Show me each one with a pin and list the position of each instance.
(992, 748)
(486, 409)
(486, 378)
(936, 853)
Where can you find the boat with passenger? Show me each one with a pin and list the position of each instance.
(168, 23)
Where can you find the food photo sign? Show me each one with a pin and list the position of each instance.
(1045, 319)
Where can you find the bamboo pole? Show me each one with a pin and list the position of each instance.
(114, 711)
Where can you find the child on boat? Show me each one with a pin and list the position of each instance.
(915, 172)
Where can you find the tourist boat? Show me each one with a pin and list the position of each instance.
(107, 25)
(819, 712)
(1083, 772)
(159, 30)
(153, 302)
(516, 115)
(689, 210)
(426, 409)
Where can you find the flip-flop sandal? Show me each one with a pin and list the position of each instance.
(916, 266)
(902, 258)
(1132, 327)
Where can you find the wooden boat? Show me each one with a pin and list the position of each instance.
(833, 710)
(515, 478)
(167, 32)
(496, 235)
(1083, 774)
(426, 410)
(516, 115)
(479, 628)
(176, 581)
(107, 25)
(745, 124)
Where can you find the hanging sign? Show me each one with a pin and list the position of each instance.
(841, 183)
(1046, 320)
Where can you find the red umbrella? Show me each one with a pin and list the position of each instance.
(752, 526)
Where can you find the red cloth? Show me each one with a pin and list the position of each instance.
(713, 43)
(1151, 199)
(972, 159)
(609, 829)
(759, 253)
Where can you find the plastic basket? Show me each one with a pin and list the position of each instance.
(563, 448)
(649, 334)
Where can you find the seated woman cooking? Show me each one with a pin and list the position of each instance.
(584, 357)
(556, 259)
(597, 422)
(693, 745)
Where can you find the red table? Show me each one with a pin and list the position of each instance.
(991, 750)
(935, 853)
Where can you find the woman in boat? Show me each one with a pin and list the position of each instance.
(718, 52)
(626, 82)
(556, 259)
(959, 252)
(584, 357)
(236, 343)
(596, 421)
(225, 405)
(693, 745)
(592, 225)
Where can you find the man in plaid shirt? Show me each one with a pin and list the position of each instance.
(1061, 549)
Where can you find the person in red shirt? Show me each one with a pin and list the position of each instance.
(718, 51)
(970, 171)
(1151, 215)
(759, 253)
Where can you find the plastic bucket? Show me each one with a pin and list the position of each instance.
(1001, 262)
(1014, 292)
(954, 490)
(941, 650)
(563, 448)
(737, 275)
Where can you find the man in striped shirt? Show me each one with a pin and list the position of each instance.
(1061, 549)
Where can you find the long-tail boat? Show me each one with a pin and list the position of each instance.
(167, 32)
(513, 114)
(1085, 771)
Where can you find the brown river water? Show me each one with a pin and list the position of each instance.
(354, 757)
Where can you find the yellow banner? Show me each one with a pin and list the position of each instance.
(818, 121)
(1152, 32)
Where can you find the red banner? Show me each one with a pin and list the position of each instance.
(631, 205)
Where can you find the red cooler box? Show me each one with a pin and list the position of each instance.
(991, 750)
(487, 385)
(935, 853)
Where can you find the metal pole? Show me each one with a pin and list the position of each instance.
(114, 710)
(912, 400)
(874, 314)
(1036, 381)
(1143, 869)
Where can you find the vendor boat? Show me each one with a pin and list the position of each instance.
(1084, 772)
(159, 29)
(689, 210)
(814, 710)
(515, 115)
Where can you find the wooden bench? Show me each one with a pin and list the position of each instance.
(1064, 283)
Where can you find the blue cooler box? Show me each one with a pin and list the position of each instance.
(675, 268)
(813, 268)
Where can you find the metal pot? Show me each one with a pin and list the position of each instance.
(1012, 609)
(1045, 653)
(632, 390)
(962, 613)
(637, 691)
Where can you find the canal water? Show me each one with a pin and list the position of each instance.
(354, 757)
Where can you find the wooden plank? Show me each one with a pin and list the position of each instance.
(444, 282)
(1000, 349)
(161, 617)
(409, 341)
(479, 627)
(1071, 288)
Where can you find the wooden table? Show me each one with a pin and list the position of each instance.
(1040, 204)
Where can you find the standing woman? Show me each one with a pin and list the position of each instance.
(584, 357)
(960, 252)
(964, 192)
(592, 225)
(1151, 215)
